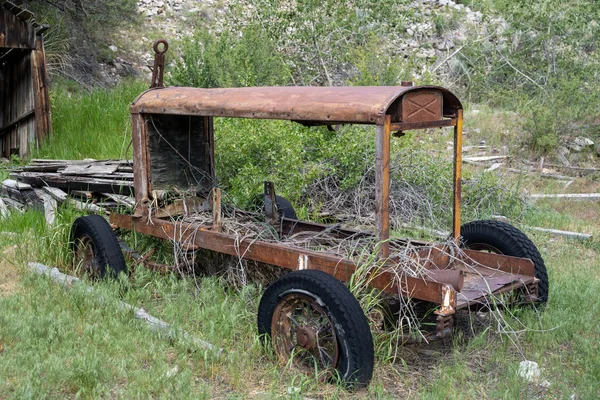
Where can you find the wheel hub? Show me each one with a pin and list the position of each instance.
(306, 337)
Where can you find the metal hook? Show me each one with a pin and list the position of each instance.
(159, 63)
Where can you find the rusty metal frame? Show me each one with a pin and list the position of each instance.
(380, 106)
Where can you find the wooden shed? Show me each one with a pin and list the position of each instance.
(24, 101)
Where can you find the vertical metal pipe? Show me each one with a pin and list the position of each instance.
(382, 185)
(457, 174)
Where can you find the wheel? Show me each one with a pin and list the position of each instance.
(314, 320)
(284, 206)
(502, 238)
(96, 248)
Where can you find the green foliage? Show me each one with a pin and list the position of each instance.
(543, 64)
(94, 17)
(248, 152)
(230, 60)
(446, 21)
(304, 43)
(374, 68)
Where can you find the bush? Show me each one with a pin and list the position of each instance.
(230, 60)
(542, 63)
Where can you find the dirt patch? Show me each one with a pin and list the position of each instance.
(10, 276)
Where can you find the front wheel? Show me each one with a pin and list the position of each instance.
(96, 248)
(502, 238)
(317, 324)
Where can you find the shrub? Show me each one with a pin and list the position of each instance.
(230, 60)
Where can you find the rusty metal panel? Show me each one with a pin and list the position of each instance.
(313, 105)
(422, 106)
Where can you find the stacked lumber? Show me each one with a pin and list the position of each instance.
(96, 186)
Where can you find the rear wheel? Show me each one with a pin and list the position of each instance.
(502, 238)
(96, 248)
(317, 324)
(284, 207)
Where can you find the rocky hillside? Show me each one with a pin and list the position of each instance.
(431, 31)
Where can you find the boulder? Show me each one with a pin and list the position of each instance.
(529, 370)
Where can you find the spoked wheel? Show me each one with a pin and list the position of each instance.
(85, 258)
(96, 248)
(501, 238)
(302, 331)
(317, 325)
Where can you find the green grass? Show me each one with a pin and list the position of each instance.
(61, 342)
(90, 125)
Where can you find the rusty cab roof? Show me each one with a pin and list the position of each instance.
(308, 105)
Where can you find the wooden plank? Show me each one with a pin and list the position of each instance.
(4, 212)
(56, 193)
(89, 169)
(17, 121)
(120, 199)
(558, 232)
(41, 93)
(15, 33)
(50, 206)
(63, 197)
(74, 182)
(484, 158)
(574, 196)
(13, 184)
(13, 204)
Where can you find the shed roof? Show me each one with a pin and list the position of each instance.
(306, 104)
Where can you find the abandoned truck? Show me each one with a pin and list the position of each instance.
(310, 315)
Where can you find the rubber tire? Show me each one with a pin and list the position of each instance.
(284, 207)
(107, 251)
(509, 241)
(356, 361)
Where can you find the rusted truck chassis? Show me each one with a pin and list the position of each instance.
(309, 313)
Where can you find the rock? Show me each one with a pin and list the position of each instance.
(4, 160)
(562, 157)
(444, 44)
(113, 48)
(529, 370)
(160, 3)
(583, 142)
(578, 144)
(546, 384)
(576, 148)
(172, 372)
(410, 32)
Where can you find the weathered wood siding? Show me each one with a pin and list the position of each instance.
(14, 32)
(17, 122)
(24, 99)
